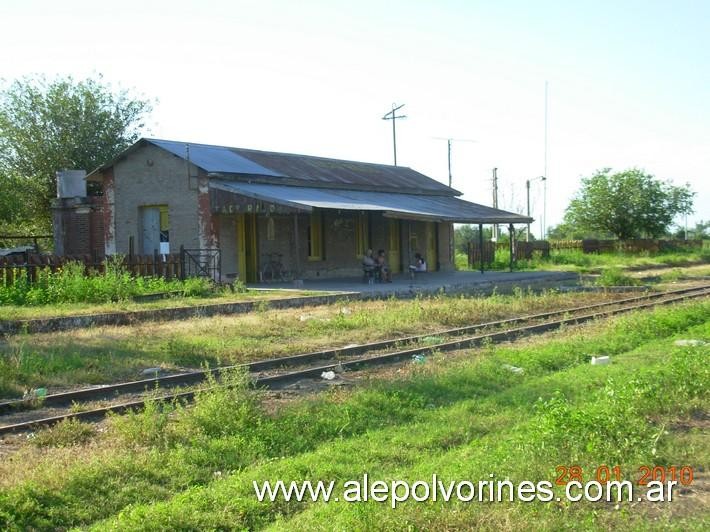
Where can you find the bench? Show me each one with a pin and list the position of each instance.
(370, 274)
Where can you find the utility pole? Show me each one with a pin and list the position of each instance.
(392, 115)
(527, 189)
(495, 202)
(449, 143)
(527, 192)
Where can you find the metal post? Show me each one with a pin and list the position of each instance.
(394, 137)
(527, 230)
(495, 202)
(511, 231)
(544, 208)
(480, 243)
(448, 141)
(297, 275)
(182, 262)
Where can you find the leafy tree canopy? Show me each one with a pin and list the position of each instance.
(628, 204)
(49, 125)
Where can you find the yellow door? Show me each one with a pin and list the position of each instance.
(393, 259)
(431, 254)
(246, 247)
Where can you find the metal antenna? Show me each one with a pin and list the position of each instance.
(543, 233)
(449, 141)
(392, 115)
(495, 202)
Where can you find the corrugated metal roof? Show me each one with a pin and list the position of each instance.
(315, 171)
(214, 158)
(445, 208)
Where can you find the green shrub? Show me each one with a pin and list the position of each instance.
(64, 434)
(73, 284)
(615, 277)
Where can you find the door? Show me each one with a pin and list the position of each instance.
(393, 255)
(150, 227)
(431, 246)
(246, 247)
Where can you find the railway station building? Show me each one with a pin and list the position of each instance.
(316, 216)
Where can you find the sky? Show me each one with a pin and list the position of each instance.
(627, 82)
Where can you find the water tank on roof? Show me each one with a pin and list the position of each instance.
(71, 183)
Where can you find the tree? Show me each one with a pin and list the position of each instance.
(700, 231)
(47, 126)
(628, 204)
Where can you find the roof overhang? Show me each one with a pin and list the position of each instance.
(403, 206)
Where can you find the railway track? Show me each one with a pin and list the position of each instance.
(270, 373)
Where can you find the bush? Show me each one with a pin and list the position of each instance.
(73, 284)
(66, 433)
(615, 277)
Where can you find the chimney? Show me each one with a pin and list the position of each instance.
(71, 183)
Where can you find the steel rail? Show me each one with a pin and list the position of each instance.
(281, 379)
(139, 386)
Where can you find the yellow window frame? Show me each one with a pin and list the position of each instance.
(164, 218)
(316, 236)
(362, 233)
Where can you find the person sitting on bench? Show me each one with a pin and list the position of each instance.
(385, 275)
(369, 266)
(419, 264)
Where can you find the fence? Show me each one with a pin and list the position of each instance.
(29, 265)
(626, 246)
(14, 241)
(528, 250)
(475, 251)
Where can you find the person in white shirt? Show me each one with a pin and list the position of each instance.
(419, 264)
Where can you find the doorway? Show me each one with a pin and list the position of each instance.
(246, 247)
(394, 259)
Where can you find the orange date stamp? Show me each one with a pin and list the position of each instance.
(645, 474)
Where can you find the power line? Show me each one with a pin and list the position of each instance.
(392, 115)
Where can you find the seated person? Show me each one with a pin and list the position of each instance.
(385, 275)
(419, 264)
(368, 264)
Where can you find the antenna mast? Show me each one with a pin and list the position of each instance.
(392, 115)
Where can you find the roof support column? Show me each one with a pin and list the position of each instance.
(297, 281)
(511, 232)
(480, 243)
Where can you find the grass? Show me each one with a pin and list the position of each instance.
(25, 312)
(108, 354)
(461, 417)
(615, 277)
(575, 260)
(71, 284)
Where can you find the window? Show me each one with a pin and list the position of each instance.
(315, 237)
(362, 235)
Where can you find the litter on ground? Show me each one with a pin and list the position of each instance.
(690, 343)
(601, 361)
(514, 369)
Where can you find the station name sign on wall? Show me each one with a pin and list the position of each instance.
(223, 202)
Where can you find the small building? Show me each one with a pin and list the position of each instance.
(316, 216)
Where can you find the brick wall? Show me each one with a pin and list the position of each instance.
(78, 226)
(339, 247)
(151, 176)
